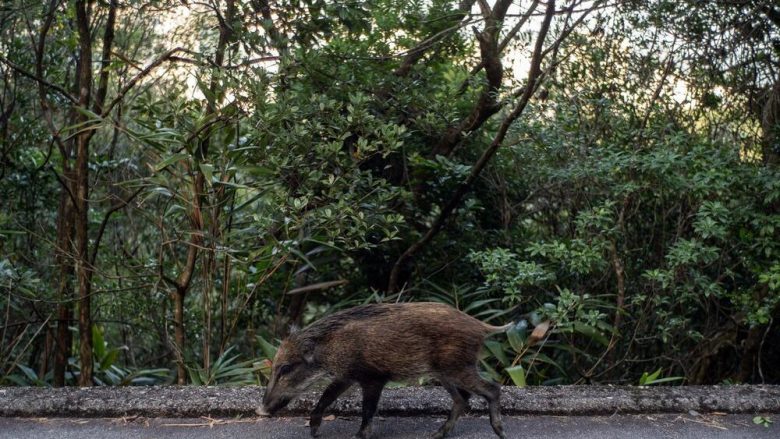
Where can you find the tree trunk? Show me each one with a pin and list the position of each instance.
(224, 301)
(750, 347)
(65, 216)
(48, 340)
(178, 319)
(83, 268)
(65, 249)
(183, 282)
(82, 265)
(64, 338)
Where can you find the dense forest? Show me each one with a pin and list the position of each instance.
(181, 182)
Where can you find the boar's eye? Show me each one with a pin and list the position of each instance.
(285, 369)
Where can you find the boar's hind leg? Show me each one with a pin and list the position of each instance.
(460, 400)
(490, 391)
(372, 390)
(330, 394)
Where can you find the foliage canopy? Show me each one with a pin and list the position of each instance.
(182, 181)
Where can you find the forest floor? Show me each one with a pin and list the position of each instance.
(693, 426)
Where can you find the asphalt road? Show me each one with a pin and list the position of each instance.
(692, 426)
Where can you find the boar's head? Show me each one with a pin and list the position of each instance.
(294, 370)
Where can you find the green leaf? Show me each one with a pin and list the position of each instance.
(665, 380)
(208, 171)
(87, 112)
(109, 359)
(591, 333)
(490, 372)
(653, 376)
(146, 377)
(17, 379)
(298, 253)
(516, 339)
(762, 420)
(648, 379)
(195, 376)
(497, 349)
(542, 358)
(268, 349)
(517, 373)
(479, 303)
(98, 344)
(113, 378)
(32, 377)
(170, 160)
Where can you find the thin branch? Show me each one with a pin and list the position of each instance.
(416, 53)
(64, 186)
(170, 281)
(513, 32)
(103, 224)
(141, 75)
(64, 93)
(567, 30)
(565, 11)
(210, 63)
(21, 354)
(127, 60)
(38, 49)
(317, 287)
(656, 93)
(108, 40)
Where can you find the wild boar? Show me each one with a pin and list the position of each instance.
(373, 344)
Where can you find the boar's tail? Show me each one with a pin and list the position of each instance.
(498, 329)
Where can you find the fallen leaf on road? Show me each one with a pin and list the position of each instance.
(326, 418)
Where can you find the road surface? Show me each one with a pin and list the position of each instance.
(693, 425)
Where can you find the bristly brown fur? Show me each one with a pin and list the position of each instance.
(373, 344)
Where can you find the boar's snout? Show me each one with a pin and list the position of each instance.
(273, 400)
(272, 405)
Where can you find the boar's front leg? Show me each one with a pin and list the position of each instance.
(372, 390)
(333, 391)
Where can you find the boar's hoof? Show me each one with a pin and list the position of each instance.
(438, 435)
(363, 434)
(315, 432)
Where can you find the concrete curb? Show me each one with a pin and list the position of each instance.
(175, 401)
